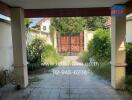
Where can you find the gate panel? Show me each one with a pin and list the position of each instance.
(70, 43)
(75, 41)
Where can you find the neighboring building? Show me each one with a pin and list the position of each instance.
(44, 31)
(129, 28)
(44, 25)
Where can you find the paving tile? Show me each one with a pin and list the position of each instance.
(66, 87)
(74, 96)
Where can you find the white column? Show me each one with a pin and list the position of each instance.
(19, 46)
(118, 52)
(55, 40)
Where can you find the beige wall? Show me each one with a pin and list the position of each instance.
(6, 50)
(88, 35)
(129, 31)
(32, 35)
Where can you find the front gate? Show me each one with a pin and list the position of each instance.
(70, 43)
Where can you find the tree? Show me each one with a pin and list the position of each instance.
(69, 24)
(27, 23)
(94, 22)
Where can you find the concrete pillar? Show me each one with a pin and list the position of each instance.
(118, 52)
(19, 46)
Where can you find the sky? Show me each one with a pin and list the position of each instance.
(34, 20)
(4, 17)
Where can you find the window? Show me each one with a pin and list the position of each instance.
(44, 28)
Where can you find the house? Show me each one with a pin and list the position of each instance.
(42, 29)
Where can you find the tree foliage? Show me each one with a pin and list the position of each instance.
(69, 24)
(95, 22)
(27, 22)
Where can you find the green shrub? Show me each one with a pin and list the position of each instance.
(129, 66)
(129, 58)
(99, 48)
(50, 55)
(129, 82)
(35, 50)
(2, 78)
(34, 66)
(41, 55)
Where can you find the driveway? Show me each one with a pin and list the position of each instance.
(70, 60)
(66, 83)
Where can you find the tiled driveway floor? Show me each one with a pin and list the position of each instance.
(66, 87)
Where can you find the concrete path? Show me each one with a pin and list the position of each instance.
(66, 83)
(70, 60)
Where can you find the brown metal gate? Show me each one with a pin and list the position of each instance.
(70, 43)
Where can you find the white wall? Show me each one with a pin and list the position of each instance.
(6, 49)
(129, 31)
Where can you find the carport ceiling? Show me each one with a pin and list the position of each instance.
(47, 4)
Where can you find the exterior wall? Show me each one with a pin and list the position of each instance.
(88, 35)
(6, 49)
(46, 37)
(45, 23)
(129, 31)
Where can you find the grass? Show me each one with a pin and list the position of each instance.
(84, 56)
(33, 80)
(2, 78)
(129, 82)
(102, 69)
(40, 69)
(50, 55)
